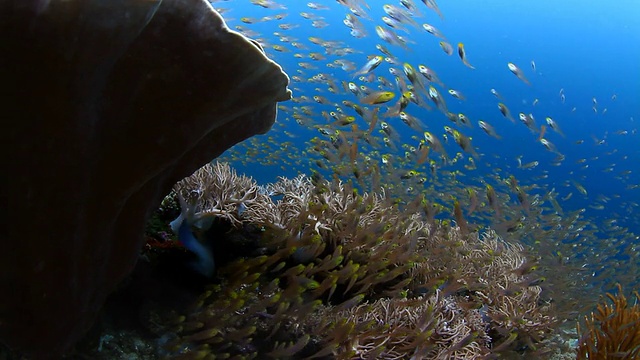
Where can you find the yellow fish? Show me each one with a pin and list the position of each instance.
(463, 56)
(378, 97)
(464, 142)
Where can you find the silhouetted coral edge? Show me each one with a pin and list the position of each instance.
(154, 87)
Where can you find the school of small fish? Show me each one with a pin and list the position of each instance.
(364, 110)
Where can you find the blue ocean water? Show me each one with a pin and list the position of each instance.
(585, 52)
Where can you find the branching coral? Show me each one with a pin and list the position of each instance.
(613, 332)
(295, 194)
(433, 328)
(216, 190)
(488, 273)
(348, 275)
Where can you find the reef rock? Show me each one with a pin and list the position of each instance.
(108, 103)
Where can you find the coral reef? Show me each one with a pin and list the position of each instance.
(346, 275)
(110, 103)
(613, 332)
(215, 190)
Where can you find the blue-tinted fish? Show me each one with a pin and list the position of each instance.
(437, 99)
(488, 129)
(518, 73)
(373, 63)
(433, 30)
(182, 226)
(399, 14)
(390, 37)
(446, 47)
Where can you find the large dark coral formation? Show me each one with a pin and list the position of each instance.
(347, 275)
(613, 331)
(107, 105)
